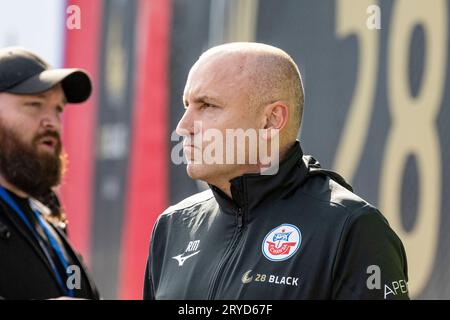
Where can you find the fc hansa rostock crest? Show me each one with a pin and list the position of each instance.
(282, 242)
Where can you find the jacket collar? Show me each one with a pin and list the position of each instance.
(250, 190)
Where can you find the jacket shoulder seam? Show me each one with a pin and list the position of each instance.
(174, 209)
(337, 204)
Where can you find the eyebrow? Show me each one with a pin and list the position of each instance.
(34, 96)
(204, 99)
(42, 96)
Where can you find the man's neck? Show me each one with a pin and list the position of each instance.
(10, 187)
(225, 185)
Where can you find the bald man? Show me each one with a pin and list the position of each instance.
(273, 224)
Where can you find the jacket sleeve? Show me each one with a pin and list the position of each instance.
(371, 261)
(149, 289)
(148, 285)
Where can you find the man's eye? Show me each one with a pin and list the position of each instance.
(34, 103)
(60, 109)
(207, 105)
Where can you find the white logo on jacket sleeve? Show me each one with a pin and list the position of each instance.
(282, 242)
(192, 247)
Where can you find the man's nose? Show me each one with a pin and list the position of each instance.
(185, 126)
(51, 122)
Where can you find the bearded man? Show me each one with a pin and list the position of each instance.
(36, 259)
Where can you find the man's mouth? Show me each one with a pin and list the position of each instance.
(49, 142)
(191, 151)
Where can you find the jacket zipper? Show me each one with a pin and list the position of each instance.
(228, 253)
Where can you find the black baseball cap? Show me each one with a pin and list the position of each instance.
(24, 72)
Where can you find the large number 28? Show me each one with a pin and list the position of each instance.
(413, 130)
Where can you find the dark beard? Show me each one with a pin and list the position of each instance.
(22, 165)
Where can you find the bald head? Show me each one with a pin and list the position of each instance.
(269, 74)
(253, 90)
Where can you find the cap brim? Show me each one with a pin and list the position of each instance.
(76, 84)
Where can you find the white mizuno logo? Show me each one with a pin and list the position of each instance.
(192, 247)
(182, 259)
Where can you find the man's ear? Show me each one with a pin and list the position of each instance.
(275, 117)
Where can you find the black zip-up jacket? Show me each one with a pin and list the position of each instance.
(25, 272)
(299, 234)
